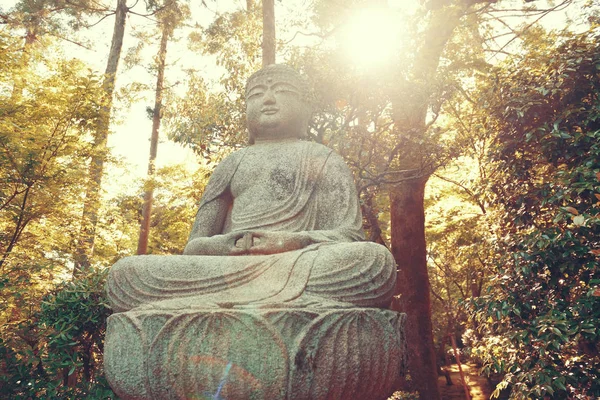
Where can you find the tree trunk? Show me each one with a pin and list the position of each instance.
(156, 117)
(407, 208)
(20, 225)
(268, 44)
(408, 248)
(89, 220)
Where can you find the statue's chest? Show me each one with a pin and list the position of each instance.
(263, 177)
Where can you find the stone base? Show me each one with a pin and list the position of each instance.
(236, 354)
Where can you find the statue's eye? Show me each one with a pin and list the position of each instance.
(255, 94)
(285, 89)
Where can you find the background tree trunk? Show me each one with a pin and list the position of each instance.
(156, 117)
(268, 44)
(89, 220)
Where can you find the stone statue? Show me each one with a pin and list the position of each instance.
(276, 253)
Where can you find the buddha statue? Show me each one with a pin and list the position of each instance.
(276, 295)
(279, 223)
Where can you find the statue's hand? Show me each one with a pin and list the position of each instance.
(269, 242)
(218, 245)
(244, 242)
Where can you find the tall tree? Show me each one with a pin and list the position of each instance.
(268, 42)
(411, 106)
(407, 197)
(85, 245)
(169, 17)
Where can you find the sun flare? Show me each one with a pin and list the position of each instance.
(371, 37)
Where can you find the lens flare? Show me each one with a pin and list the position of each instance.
(372, 37)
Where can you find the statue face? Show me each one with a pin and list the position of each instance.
(275, 109)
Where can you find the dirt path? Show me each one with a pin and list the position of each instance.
(478, 386)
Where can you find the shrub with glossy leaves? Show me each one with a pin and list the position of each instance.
(63, 358)
(544, 303)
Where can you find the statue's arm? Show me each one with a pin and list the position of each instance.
(206, 237)
(210, 217)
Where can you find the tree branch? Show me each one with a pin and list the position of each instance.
(466, 189)
(564, 4)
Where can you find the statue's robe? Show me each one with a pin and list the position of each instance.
(339, 269)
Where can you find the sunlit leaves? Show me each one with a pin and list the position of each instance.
(48, 106)
(545, 167)
(206, 119)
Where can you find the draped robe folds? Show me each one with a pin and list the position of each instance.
(336, 270)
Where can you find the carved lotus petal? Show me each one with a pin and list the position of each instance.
(226, 355)
(346, 354)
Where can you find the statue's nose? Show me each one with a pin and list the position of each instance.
(269, 97)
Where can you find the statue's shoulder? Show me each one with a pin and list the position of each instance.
(221, 177)
(317, 149)
(322, 151)
(327, 160)
(230, 163)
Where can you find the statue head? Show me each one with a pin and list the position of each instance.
(277, 104)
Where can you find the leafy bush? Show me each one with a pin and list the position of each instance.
(540, 318)
(63, 358)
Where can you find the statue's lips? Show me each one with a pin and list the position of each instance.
(269, 111)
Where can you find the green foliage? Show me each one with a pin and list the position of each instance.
(459, 253)
(46, 114)
(207, 120)
(177, 191)
(204, 121)
(63, 341)
(58, 18)
(48, 107)
(541, 315)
